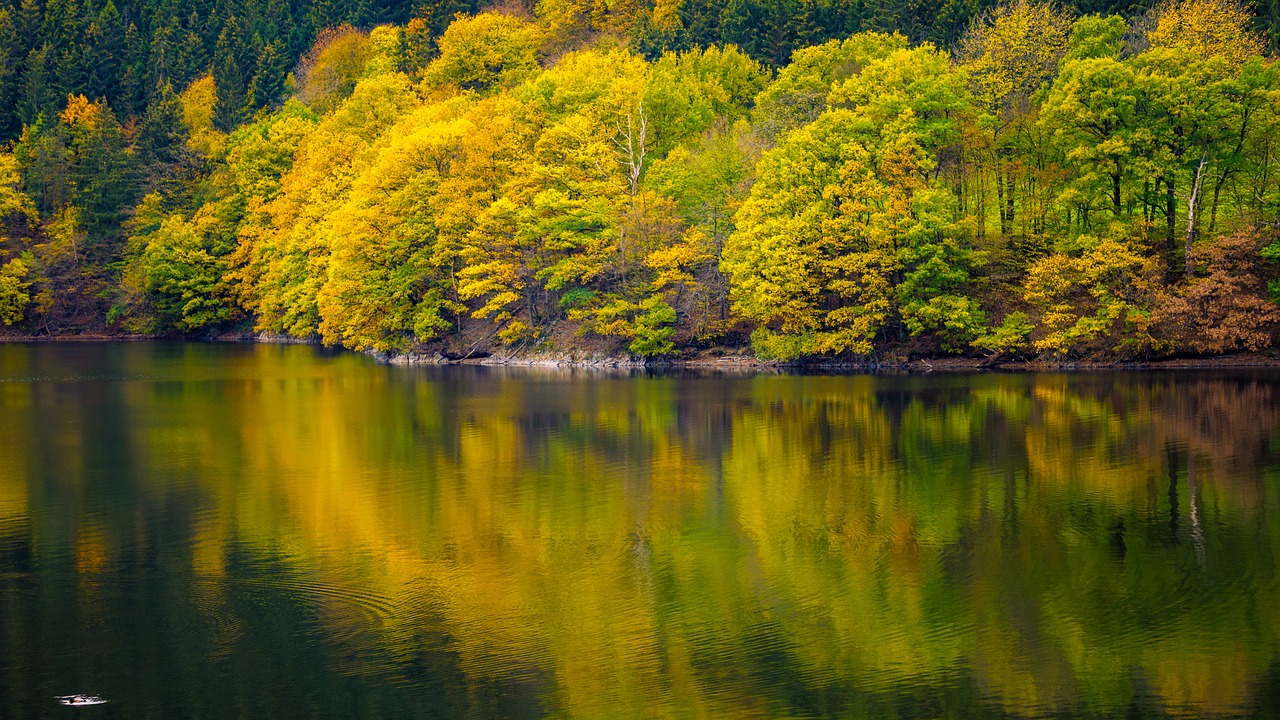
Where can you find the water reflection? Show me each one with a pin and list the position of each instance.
(247, 531)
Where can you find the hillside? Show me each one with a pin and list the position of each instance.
(816, 180)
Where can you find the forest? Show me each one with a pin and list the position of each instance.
(815, 179)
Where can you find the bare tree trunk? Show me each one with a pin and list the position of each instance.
(1191, 210)
(1217, 193)
(632, 146)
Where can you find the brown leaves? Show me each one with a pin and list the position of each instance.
(1226, 308)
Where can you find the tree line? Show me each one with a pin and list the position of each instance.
(1035, 180)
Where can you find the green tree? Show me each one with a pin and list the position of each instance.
(183, 280)
(107, 50)
(230, 71)
(14, 295)
(844, 237)
(12, 53)
(267, 85)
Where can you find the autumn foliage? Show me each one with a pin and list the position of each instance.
(1052, 185)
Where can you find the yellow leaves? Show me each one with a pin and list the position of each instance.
(843, 229)
(80, 111)
(258, 155)
(569, 20)
(374, 105)
(486, 51)
(1207, 28)
(602, 84)
(514, 332)
(385, 50)
(331, 69)
(798, 95)
(1102, 294)
(666, 14)
(1013, 52)
(12, 199)
(387, 283)
(14, 297)
(198, 101)
(674, 264)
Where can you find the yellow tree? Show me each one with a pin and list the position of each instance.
(388, 284)
(489, 50)
(1207, 28)
(550, 243)
(15, 205)
(1010, 54)
(290, 254)
(845, 235)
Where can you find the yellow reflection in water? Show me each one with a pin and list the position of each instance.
(661, 547)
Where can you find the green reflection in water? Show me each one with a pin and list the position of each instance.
(240, 531)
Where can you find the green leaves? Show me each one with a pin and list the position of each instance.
(182, 279)
(14, 297)
(844, 234)
(529, 181)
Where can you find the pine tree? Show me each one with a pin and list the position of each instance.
(28, 22)
(327, 13)
(161, 145)
(39, 92)
(101, 172)
(131, 98)
(106, 45)
(229, 61)
(701, 21)
(268, 82)
(161, 133)
(162, 57)
(194, 59)
(10, 57)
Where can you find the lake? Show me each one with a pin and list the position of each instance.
(239, 531)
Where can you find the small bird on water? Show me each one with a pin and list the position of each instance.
(80, 700)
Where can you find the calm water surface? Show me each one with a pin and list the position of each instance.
(220, 531)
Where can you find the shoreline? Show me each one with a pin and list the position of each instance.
(713, 360)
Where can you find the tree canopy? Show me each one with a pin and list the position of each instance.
(1033, 181)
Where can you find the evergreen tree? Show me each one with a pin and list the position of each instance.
(163, 156)
(130, 99)
(327, 13)
(762, 28)
(28, 22)
(39, 92)
(162, 136)
(11, 55)
(268, 81)
(106, 45)
(163, 59)
(701, 21)
(101, 172)
(229, 62)
(194, 60)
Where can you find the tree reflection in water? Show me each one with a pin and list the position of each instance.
(318, 529)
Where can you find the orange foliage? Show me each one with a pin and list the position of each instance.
(1227, 308)
(329, 71)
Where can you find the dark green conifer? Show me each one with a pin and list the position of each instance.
(107, 55)
(39, 92)
(268, 82)
(229, 61)
(11, 57)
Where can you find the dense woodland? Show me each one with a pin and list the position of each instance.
(815, 178)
